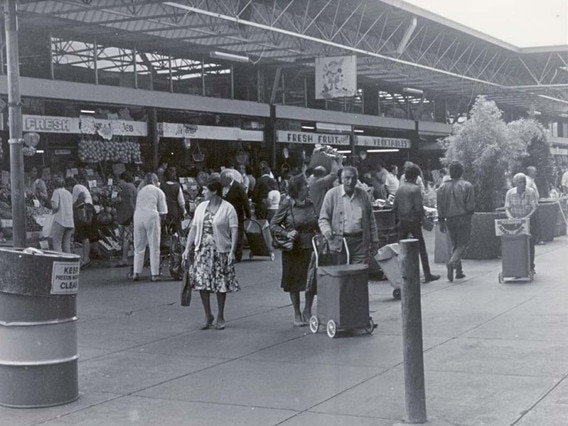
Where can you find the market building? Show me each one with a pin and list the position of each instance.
(226, 83)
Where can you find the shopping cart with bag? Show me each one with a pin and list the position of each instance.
(343, 295)
(515, 249)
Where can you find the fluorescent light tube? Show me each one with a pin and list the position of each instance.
(87, 111)
(229, 56)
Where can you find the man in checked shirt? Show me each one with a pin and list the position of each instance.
(522, 202)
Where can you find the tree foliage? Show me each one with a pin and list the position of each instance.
(531, 134)
(484, 146)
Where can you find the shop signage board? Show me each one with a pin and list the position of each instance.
(380, 142)
(197, 131)
(83, 125)
(286, 136)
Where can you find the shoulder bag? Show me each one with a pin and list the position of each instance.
(282, 242)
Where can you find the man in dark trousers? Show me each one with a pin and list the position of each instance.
(261, 191)
(456, 204)
(235, 194)
(409, 208)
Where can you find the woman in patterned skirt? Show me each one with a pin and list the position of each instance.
(211, 246)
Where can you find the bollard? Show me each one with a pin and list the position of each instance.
(414, 388)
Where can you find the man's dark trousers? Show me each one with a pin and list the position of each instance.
(414, 228)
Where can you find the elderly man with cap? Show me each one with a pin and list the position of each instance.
(522, 202)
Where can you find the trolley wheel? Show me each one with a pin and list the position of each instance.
(331, 328)
(371, 327)
(314, 324)
(396, 293)
(272, 256)
(500, 277)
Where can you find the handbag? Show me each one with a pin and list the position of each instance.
(185, 287)
(282, 242)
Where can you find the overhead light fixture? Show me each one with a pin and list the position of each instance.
(374, 151)
(535, 112)
(308, 127)
(358, 131)
(332, 127)
(413, 91)
(563, 115)
(88, 111)
(344, 151)
(229, 56)
(40, 151)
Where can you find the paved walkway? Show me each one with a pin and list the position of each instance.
(495, 354)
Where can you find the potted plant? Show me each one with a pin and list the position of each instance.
(484, 146)
(533, 136)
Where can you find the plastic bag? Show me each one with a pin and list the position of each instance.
(47, 226)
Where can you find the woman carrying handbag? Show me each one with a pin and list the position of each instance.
(296, 220)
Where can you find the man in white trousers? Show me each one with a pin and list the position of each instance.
(150, 205)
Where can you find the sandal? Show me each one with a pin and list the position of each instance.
(220, 325)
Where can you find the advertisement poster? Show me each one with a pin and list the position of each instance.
(336, 77)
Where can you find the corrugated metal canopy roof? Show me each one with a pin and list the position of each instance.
(396, 44)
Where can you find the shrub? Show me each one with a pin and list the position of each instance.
(484, 146)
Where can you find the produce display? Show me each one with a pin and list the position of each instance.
(95, 151)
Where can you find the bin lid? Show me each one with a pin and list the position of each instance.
(342, 270)
(387, 252)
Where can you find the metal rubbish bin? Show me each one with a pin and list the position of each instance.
(38, 328)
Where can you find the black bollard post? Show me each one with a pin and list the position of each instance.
(414, 387)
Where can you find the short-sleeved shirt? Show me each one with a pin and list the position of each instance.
(81, 189)
(151, 199)
(62, 201)
(520, 205)
(273, 199)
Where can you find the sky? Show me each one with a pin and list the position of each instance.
(523, 23)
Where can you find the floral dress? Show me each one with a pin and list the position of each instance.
(211, 271)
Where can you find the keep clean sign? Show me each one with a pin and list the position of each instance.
(65, 278)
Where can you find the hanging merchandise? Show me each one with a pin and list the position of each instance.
(198, 156)
(31, 139)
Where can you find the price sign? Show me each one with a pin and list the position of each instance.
(92, 184)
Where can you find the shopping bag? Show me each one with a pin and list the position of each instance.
(47, 226)
(185, 286)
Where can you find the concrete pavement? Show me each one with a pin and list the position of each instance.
(494, 354)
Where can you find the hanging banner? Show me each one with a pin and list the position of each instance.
(336, 77)
(195, 131)
(84, 125)
(286, 136)
(379, 142)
